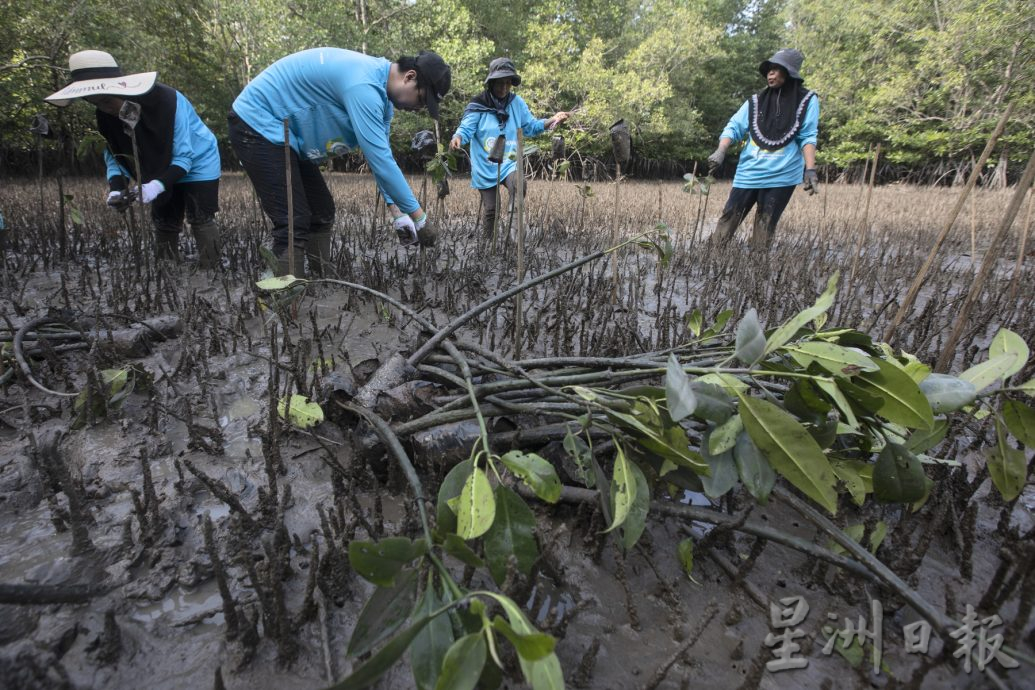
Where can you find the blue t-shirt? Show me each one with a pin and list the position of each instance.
(194, 147)
(334, 100)
(482, 128)
(760, 168)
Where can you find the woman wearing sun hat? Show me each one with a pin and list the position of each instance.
(497, 112)
(781, 124)
(179, 159)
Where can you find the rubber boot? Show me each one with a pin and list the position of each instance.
(318, 249)
(284, 267)
(167, 245)
(762, 232)
(207, 237)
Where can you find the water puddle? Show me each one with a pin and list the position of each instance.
(182, 606)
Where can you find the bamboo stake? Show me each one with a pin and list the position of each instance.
(918, 282)
(973, 232)
(290, 199)
(1022, 242)
(614, 236)
(864, 229)
(987, 264)
(520, 191)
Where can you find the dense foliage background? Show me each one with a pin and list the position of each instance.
(926, 79)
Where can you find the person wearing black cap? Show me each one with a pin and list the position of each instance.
(333, 100)
(179, 158)
(781, 124)
(494, 114)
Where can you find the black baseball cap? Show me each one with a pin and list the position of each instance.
(435, 77)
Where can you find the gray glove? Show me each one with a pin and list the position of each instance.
(716, 159)
(810, 183)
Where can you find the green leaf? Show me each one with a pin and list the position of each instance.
(750, 342)
(880, 530)
(723, 437)
(579, 452)
(431, 644)
(512, 533)
(463, 663)
(537, 473)
(857, 477)
(458, 549)
(1020, 420)
(685, 551)
(451, 487)
(385, 611)
(898, 476)
(531, 646)
(1007, 466)
(476, 508)
(636, 520)
(830, 387)
(947, 393)
(994, 369)
(375, 667)
(790, 450)
(623, 488)
(839, 361)
(379, 562)
(542, 674)
(1006, 342)
(786, 331)
(678, 393)
(76, 215)
(302, 413)
(668, 441)
(722, 470)
(1028, 387)
(713, 404)
(923, 440)
(755, 471)
(904, 403)
(695, 322)
(278, 283)
(728, 382)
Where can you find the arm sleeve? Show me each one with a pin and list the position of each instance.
(467, 127)
(737, 127)
(810, 127)
(366, 109)
(182, 150)
(529, 124)
(116, 173)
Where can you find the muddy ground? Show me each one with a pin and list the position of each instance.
(121, 531)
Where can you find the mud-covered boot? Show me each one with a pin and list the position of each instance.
(167, 245)
(285, 267)
(318, 249)
(207, 237)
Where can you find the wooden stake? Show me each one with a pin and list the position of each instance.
(918, 282)
(290, 198)
(519, 189)
(987, 264)
(864, 227)
(614, 237)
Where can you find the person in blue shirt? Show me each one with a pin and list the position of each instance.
(334, 101)
(780, 124)
(178, 155)
(497, 112)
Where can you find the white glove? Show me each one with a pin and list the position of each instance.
(419, 224)
(150, 191)
(114, 198)
(405, 229)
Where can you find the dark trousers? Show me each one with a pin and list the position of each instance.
(771, 204)
(263, 161)
(199, 201)
(489, 199)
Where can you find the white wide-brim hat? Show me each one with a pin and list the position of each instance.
(96, 73)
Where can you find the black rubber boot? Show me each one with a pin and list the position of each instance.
(284, 267)
(318, 249)
(207, 237)
(167, 245)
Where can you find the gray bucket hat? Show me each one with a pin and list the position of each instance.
(503, 67)
(788, 58)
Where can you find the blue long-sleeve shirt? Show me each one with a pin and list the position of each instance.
(330, 96)
(482, 128)
(760, 168)
(194, 147)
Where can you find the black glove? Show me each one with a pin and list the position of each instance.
(811, 182)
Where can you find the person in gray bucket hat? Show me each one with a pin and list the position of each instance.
(490, 122)
(781, 125)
